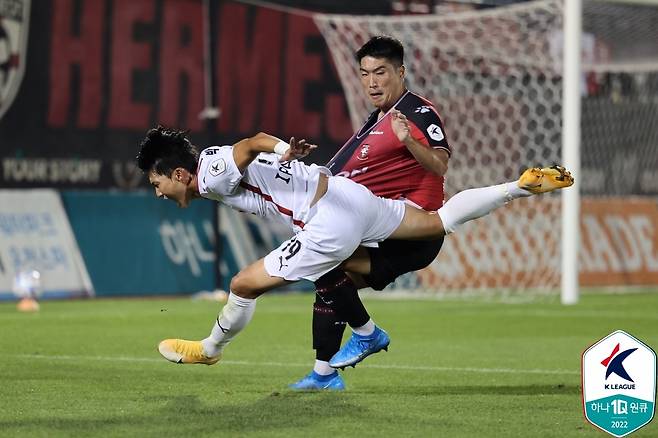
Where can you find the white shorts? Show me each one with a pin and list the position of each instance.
(347, 216)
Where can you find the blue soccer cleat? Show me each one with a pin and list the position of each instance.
(359, 347)
(317, 382)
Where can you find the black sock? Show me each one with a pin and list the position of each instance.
(343, 296)
(327, 330)
(337, 293)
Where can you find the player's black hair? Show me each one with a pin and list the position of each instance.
(164, 149)
(382, 46)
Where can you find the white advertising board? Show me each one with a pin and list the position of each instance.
(35, 234)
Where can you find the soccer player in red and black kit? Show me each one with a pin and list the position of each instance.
(412, 170)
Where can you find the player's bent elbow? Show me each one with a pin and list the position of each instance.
(261, 142)
(260, 137)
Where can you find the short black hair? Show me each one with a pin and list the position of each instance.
(164, 149)
(382, 46)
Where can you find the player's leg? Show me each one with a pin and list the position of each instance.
(336, 292)
(337, 303)
(246, 286)
(367, 267)
(293, 260)
(394, 258)
(327, 331)
(471, 204)
(391, 259)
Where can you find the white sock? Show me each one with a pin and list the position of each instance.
(322, 368)
(367, 329)
(474, 203)
(235, 315)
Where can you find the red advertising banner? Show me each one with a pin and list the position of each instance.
(83, 80)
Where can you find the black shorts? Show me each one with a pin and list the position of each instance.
(396, 257)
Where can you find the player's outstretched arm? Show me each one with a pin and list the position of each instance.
(246, 151)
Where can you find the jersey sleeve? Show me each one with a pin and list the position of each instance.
(221, 175)
(429, 124)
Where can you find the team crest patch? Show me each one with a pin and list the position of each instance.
(217, 167)
(363, 154)
(619, 384)
(14, 29)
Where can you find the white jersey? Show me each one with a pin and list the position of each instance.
(268, 187)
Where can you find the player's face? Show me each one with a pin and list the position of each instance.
(382, 81)
(172, 187)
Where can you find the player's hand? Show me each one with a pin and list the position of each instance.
(298, 149)
(400, 125)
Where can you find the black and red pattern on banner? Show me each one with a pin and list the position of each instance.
(99, 73)
(82, 80)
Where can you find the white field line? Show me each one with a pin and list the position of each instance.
(301, 365)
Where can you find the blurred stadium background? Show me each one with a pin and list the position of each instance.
(82, 80)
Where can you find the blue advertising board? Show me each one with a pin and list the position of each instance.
(136, 244)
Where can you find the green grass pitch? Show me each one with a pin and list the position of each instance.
(456, 368)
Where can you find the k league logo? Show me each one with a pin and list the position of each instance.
(615, 364)
(619, 384)
(435, 132)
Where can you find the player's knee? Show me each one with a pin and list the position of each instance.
(358, 280)
(242, 286)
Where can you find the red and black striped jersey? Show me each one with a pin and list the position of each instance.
(376, 158)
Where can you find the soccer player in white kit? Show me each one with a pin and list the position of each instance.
(331, 216)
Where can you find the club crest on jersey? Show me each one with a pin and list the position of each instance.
(14, 20)
(217, 167)
(363, 154)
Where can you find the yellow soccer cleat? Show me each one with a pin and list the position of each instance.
(182, 351)
(536, 180)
